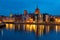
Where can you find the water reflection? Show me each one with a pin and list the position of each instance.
(10, 26)
(22, 30)
(42, 29)
(57, 28)
(1, 32)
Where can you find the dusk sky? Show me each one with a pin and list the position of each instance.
(18, 6)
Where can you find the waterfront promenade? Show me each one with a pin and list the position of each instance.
(43, 23)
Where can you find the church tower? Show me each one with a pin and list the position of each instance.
(38, 16)
(37, 12)
(25, 16)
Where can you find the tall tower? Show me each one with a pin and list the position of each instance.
(25, 15)
(36, 14)
(37, 11)
(25, 12)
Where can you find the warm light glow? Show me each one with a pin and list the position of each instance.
(33, 28)
(41, 29)
(0, 21)
(47, 28)
(18, 26)
(27, 21)
(8, 19)
(27, 27)
(11, 26)
(7, 26)
(57, 20)
(30, 27)
(31, 20)
(56, 28)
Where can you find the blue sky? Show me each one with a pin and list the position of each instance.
(18, 6)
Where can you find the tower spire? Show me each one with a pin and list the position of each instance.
(37, 5)
(10, 14)
(37, 10)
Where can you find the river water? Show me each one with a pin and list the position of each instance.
(46, 32)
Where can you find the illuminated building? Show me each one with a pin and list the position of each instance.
(1, 19)
(9, 19)
(40, 18)
(57, 19)
(36, 14)
(25, 15)
(46, 17)
(35, 17)
(18, 18)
